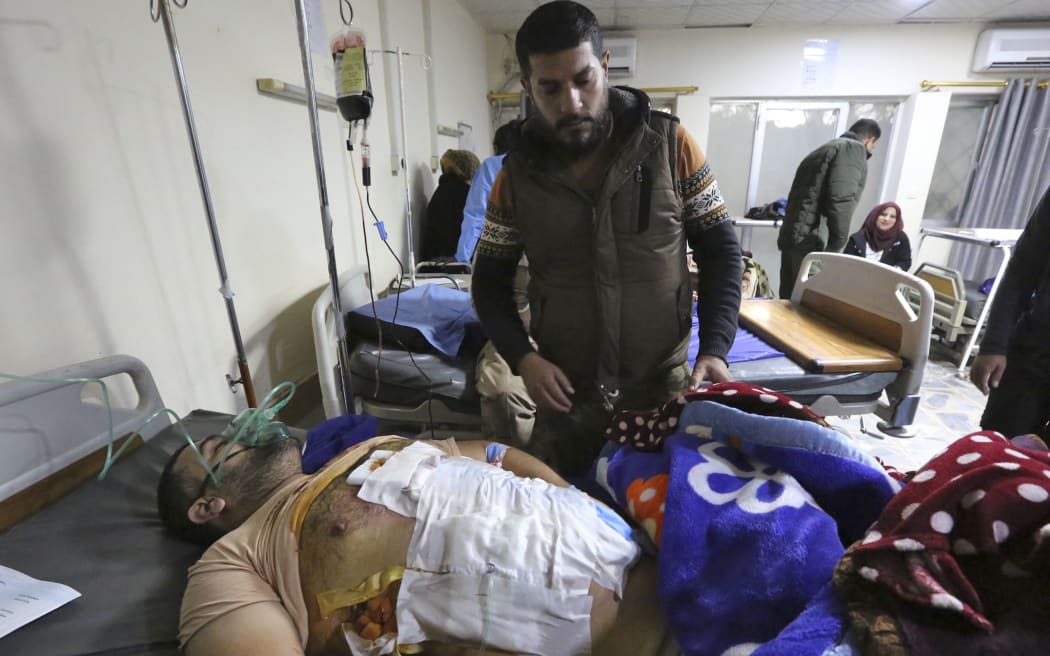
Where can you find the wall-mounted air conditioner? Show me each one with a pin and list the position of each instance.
(622, 53)
(1012, 49)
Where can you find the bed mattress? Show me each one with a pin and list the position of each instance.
(411, 379)
(105, 540)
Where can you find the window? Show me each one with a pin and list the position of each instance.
(755, 147)
(964, 129)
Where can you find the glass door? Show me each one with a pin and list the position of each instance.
(785, 132)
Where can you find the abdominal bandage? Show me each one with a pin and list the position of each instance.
(495, 559)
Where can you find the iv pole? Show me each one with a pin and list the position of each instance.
(404, 154)
(163, 13)
(326, 215)
(404, 167)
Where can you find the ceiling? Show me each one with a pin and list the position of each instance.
(507, 15)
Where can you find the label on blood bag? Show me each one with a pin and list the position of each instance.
(350, 64)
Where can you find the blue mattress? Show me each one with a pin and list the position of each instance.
(747, 347)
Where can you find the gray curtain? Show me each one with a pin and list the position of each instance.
(1013, 171)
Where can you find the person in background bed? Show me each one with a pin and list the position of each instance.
(445, 209)
(1013, 366)
(602, 194)
(881, 238)
(394, 531)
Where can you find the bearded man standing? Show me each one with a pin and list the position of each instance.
(603, 195)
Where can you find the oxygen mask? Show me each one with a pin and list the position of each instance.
(252, 428)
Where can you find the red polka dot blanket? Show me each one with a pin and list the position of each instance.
(974, 518)
(645, 430)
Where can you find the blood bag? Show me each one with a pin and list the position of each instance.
(353, 83)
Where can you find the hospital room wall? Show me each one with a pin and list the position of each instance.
(105, 248)
(873, 62)
(766, 62)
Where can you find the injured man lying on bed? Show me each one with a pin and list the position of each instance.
(473, 543)
(775, 534)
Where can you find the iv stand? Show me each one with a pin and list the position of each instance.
(409, 227)
(164, 12)
(404, 167)
(326, 215)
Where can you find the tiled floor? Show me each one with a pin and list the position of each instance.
(950, 408)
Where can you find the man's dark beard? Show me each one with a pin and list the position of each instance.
(601, 127)
(264, 468)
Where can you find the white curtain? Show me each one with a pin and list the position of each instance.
(1013, 171)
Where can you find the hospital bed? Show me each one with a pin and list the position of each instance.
(102, 538)
(856, 335)
(414, 387)
(957, 302)
(865, 303)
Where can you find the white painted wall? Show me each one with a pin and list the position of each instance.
(105, 247)
(766, 62)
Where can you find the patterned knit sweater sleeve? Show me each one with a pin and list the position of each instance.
(716, 249)
(492, 283)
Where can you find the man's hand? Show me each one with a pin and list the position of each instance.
(987, 371)
(709, 367)
(547, 384)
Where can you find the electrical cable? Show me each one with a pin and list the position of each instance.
(366, 174)
(342, 11)
(364, 233)
(397, 302)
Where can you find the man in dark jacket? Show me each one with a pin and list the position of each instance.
(603, 196)
(1013, 367)
(828, 183)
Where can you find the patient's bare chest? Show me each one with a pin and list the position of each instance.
(344, 540)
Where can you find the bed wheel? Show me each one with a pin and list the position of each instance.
(899, 416)
(897, 431)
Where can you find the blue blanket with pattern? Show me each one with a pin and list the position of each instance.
(749, 514)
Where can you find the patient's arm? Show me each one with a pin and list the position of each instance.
(257, 630)
(515, 461)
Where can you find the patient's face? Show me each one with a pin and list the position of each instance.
(570, 90)
(247, 474)
(887, 219)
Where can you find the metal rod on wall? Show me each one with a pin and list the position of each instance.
(326, 214)
(515, 95)
(163, 13)
(927, 84)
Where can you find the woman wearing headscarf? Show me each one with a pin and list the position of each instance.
(445, 210)
(881, 238)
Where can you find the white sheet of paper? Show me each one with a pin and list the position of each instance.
(24, 599)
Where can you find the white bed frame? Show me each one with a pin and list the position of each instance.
(889, 293)
(46, 426)
(353, 290)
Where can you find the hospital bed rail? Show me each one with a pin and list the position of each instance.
(37, 441)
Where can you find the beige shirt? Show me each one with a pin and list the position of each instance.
(259, 561)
